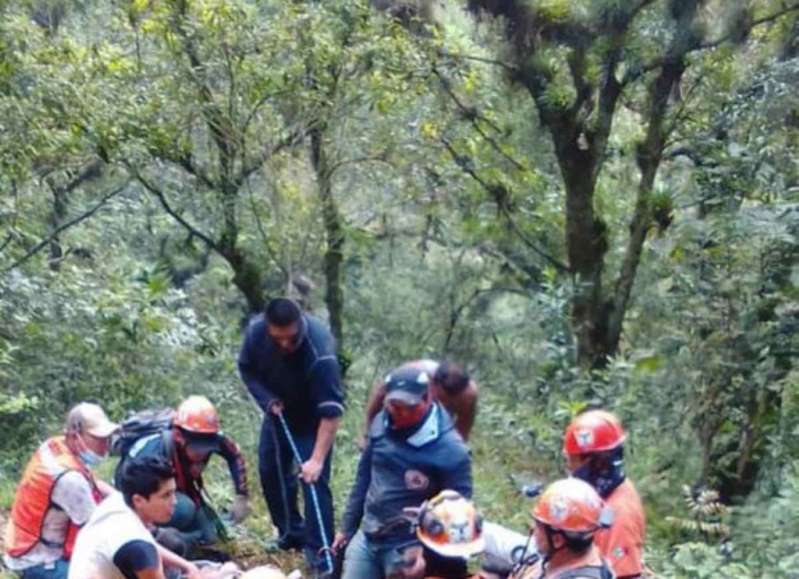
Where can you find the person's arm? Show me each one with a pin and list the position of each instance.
(104, 488)
(328, 398)
(265, 397)
(373, 405)
(457, 474)
(467, 411)
(357, 499)
(231, 452)
(325, 435)
(171, 559)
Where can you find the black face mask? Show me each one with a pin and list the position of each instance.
(604, 479)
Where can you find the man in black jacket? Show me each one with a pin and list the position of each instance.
(413, 452)
(288, 362)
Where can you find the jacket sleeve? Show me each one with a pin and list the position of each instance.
(357, 499)
(231, 452)
(249, 375)
(326, 390)
(458, 476)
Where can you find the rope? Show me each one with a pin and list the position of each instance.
(283, 494)
(314, 497)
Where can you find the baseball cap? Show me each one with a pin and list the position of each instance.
(90, 418)
(202, 443)
(407, 384)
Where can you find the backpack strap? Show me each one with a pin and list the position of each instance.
(169, 441)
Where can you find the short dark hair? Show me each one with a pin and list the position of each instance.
(282, 312)
(451, 377)
(143, 476)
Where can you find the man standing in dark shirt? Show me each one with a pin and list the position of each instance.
(288, 362)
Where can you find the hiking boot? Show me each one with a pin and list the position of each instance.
(290, 542)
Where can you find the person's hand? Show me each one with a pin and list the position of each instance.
(339, 542)
(241, 508)
(360, 442)
(311, 470)
(191, 571)
(276, 407)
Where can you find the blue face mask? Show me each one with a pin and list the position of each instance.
(87, 456)
(90, 458)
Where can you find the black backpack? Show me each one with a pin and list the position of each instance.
(138, 425)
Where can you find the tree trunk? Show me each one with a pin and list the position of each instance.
(334, 236)
(586, 244)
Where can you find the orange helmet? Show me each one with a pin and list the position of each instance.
(197, 414)
(593, 431)
(450, 525)
(571, 505)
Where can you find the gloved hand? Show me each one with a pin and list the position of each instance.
(241, 508)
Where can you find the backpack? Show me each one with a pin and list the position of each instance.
(139, 425)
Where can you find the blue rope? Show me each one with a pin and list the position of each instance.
(314, 496)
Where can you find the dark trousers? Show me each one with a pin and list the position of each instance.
(275, 458)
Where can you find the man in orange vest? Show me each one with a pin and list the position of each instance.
(594, 448)
(57, 494)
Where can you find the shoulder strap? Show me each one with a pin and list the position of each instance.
(169, 441)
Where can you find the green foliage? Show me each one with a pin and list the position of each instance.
(453, 213)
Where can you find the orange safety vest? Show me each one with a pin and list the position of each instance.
(52, 460)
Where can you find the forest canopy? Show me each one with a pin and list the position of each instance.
(585, 202)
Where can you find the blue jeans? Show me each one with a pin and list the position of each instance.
(365, 559)
(57, 570)
(280, 492)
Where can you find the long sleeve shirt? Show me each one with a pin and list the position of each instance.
(307, 381)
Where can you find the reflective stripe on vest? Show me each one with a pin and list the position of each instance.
(52, 460)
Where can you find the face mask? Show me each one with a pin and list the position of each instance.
(604, 482)
(90, 458)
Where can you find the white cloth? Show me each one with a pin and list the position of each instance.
(112, 525)
(72, 495)
(503, 546)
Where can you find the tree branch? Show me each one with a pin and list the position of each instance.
(634, 74)
(379, 158)
(87, 172)
(6, 241)
(159, 194)
(61, 228)
(505, 65)
(269, 151)
(473, 114)
(491, 190)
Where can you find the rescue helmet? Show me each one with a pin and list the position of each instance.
(450, 525)
(571, 506)
(197, 414)
(593, 431)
